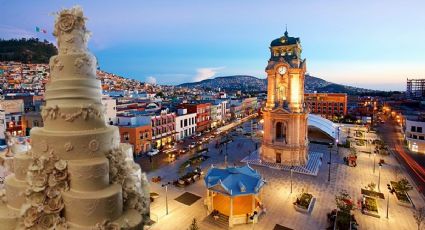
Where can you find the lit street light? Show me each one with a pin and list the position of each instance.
(390, 190)
(166, 196)
(379, 177)
(330, 161)
(292, 170)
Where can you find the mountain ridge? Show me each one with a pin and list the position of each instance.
(249, 83)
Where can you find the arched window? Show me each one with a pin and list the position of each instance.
(280, 131)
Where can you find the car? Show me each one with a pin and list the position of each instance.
(152, 152)
(192, 145)
(169, 150)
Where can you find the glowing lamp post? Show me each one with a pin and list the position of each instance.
(166, 196)
(379, 177)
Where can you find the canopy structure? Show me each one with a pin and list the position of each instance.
(234, 192)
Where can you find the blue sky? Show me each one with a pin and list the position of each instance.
(372, 44)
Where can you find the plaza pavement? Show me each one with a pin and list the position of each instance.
(277, 197)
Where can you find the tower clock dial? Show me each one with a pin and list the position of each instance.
(282, 70)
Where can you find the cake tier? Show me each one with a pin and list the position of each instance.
(89, 175)
(75, 145)
(15, 192)
(73, 66)
(89, 208)
(131, 219)
(74, 117)
(73, 90)
(73, 41)
(21, 163)
(8, 217)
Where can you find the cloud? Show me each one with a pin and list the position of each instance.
(151, 80)
(205, 73)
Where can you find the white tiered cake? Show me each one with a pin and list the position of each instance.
(77, 175)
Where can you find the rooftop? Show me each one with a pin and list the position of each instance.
(234, 181)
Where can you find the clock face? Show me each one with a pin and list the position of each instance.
(282, 70)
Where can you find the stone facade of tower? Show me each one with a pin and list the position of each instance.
(285, 118)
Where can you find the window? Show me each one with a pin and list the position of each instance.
(35, 123)
(185, 122)
(126, 136)
(141, 135)
(181, 123)
(413, 128)
(415, 137)
(421, 137)
(419, 129)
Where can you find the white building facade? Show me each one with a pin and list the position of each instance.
(110, 109)
(185, 124)
(415, 135)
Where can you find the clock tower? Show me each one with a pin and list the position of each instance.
(285, 118)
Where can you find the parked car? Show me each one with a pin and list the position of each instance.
(152, 152)
(192, 145)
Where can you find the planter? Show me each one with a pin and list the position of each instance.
(370, 207)
(402, 197)
(306, 197)
(370, 193)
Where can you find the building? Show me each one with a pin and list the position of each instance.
(328, 105)
(14, 110)
(32, 119)
(2, 127)
(236, 109)
(185, 124)
(415, 133)
(285, 119)
(415, 89)
(163, 124)
(137, 131)
(249, 106)
(234, 192)
(110, 109)
(203, 114)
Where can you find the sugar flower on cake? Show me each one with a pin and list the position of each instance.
(48, 221)
(68, 19)
(54, 205)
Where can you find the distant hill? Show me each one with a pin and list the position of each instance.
(26, 50)
(252, 84)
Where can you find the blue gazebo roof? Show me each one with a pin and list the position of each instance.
(234, 181)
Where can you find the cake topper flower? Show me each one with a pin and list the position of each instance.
(69, 19)
(66, 22)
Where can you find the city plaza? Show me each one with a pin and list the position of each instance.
(276, 195)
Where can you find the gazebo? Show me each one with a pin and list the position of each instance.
(234, 192)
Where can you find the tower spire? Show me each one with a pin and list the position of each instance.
(286, 30)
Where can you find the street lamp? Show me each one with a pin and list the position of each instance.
(330, 161)
(166, 196)
(379, 177)
(390, 190)
(292, 170)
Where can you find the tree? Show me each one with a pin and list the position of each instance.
(344, 202)
(194, 225)
(419, 215)
(404, 186)
(159, 94)
(371, 186)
